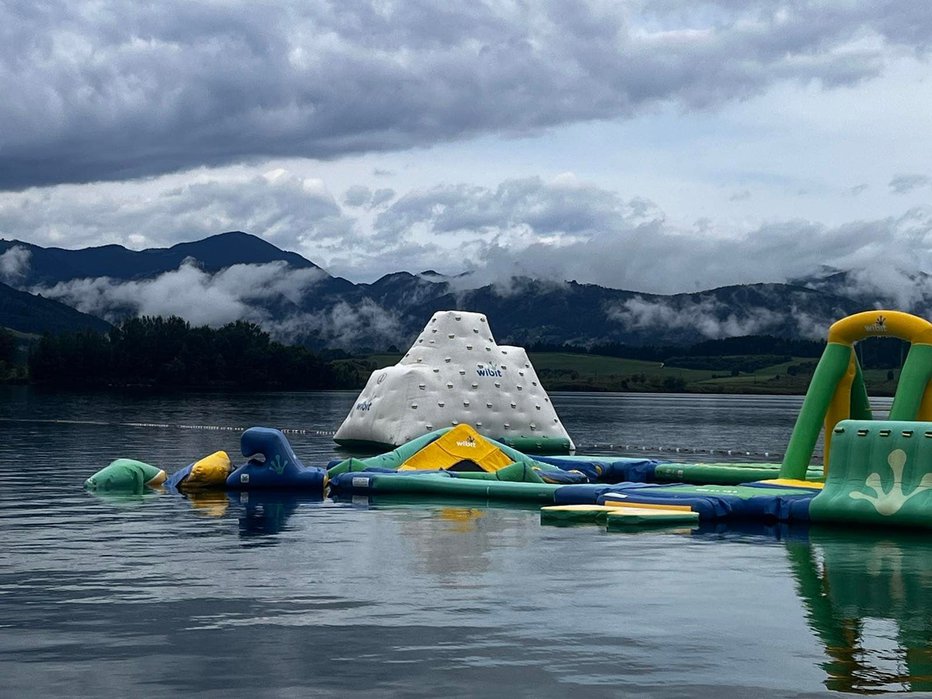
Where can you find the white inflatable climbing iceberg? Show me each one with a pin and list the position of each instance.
(456, 373)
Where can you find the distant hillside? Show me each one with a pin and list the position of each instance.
(48, 266)
(298, 302)
(28, 313)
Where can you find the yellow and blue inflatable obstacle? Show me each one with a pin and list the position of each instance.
(272, 465)
(763, 501)
(879, 474)
(458, 461)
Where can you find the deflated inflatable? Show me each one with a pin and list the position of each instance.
(126, 476)
(272, 465)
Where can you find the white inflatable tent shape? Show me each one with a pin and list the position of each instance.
(456, 373)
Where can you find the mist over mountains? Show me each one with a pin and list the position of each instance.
(237, 276)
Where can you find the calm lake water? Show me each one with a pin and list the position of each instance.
(163, 595)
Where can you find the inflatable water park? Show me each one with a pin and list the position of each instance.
(461, 417)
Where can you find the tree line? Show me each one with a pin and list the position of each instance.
(155, 351)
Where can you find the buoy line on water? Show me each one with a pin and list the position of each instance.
(699, 451)
(318, 432)
(165, 425)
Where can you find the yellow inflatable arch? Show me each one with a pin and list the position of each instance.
(837, 389)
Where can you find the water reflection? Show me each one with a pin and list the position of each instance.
(259, 513)
(265, 513)
(124, 500)
(465, 521)
(868, 598)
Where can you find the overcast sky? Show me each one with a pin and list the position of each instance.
(657, 146)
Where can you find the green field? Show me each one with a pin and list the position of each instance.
(584, 372)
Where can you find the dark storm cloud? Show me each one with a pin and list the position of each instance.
(115, 90)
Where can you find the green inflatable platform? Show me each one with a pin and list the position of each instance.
(880, 472)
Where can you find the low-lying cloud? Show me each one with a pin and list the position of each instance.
(234, 293)
(365, 324)
(709, 317)
(271, 295)
(14, 264)
(713, 320)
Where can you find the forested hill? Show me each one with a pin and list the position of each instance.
(29, 313)
(236, 276)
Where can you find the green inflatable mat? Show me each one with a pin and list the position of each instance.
(721, 473)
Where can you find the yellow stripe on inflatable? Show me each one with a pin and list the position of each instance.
(643, 516)
(794, 483)
(459, 444)
(615, 504)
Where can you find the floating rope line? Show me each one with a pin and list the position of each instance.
(317, 432)
(166, 426)
(679, 450)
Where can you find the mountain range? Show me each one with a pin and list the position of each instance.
(235, 276)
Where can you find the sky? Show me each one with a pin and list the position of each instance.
(662, 146)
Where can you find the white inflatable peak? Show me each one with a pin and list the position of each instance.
(454, 373)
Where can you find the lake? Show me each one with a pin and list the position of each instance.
(245, 595)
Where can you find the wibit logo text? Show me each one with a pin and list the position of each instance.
(488, 370)
(364, 405)
(878, 326)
